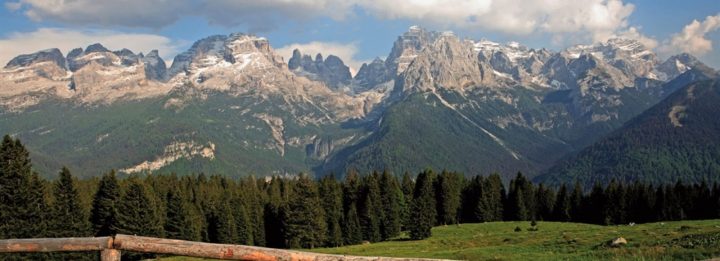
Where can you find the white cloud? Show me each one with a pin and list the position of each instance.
(66, 39)
(634, 33)
(346, 52)
(692, 38)
(131, 13)
(594, 19)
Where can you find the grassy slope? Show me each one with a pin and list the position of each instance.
(553, 241)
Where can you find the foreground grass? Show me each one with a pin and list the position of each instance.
(682, 240)
(554, 241)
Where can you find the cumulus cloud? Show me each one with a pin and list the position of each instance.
(130, 13)
(596, 19)
(346, 52)
(692, 38)
(66, 40)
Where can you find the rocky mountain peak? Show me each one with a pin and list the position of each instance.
(370, 75)
(50, 55)
(407, 47)
(96, 48)
(332, 70)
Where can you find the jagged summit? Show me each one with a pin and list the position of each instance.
(50, 55)
(332, 70)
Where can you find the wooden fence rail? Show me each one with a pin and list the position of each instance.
(110, 248)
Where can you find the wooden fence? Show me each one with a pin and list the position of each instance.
(110, 248)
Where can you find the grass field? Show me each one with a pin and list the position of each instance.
(683, 240)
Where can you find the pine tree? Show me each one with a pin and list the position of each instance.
(518, 207)
(68, 217)
(178, 223)
(102, 215)
(545, 202)
(562, 210)
(351, 226)
(331, 196)
(392, 200)
(305, 222)
(576, 204)
(407, 186)
(493, 196)
(273, 215)
(22, 201)
(221, 223)
(242, 224)
(137, 212)
(423, 206)
(255, 203)
(448, 197)
(369, 210)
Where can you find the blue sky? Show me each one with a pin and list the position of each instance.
(356, 30)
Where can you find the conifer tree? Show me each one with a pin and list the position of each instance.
(273, 215)
(561, 211)
(137, 212)
(305, 221)
(255, 204)
(178, 222)
(448, 197)
(407, 186)
(545, 202)
(423, 206)
(392, 202)
(351, 226)
(369, 210)
(331, 197)
(493, 196)
(242, 224)
(102, 215)
(68, 217)
(221, 224)
(22, 201)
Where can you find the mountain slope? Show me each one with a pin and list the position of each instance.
(231, 105)
(674, 140)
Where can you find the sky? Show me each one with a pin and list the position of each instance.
(356, 30)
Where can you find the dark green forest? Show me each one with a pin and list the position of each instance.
(304, 212)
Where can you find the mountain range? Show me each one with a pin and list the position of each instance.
(230, 104)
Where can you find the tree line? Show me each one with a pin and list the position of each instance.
(302, 212)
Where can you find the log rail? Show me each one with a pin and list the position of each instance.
(110, 248)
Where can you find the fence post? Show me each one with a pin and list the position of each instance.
(110, 255)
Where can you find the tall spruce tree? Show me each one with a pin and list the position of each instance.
(492, 198)
(447, 187)
(562, 208)
(369, 210)
(178, 222)
(242, 221)
(407, 186)
(103, 213)
(392, 200)
(545, 202)
(305, 222)
(423, 206)
(22, 201)
(331, 197)
(137, 212)
(221, 223)
(351, 226)
(68, 216)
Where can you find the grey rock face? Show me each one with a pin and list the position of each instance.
(332, 71)
(127, 57)
(50, 55)
(155, 68)
(370, 75)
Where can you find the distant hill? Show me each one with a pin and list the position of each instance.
(676, 139)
